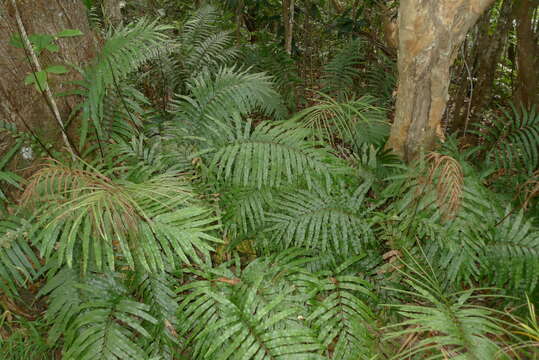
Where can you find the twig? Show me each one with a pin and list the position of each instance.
(471, 95)
(37, 65)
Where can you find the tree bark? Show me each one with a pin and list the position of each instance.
(430, 33)
(489, 47)
(288, 19)
(112, 12)
(22, 104)
(527, 89)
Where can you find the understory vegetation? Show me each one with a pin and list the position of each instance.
(221, 204)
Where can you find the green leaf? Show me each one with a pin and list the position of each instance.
(52, 47)
(57, 69)
(43, 42)
(16, 41)
(69, 33)
(39, 79)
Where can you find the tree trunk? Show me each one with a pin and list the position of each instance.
(527, 90)
(239, 20)
(112, 11)
(21, 104)
(430, 33)
(288, 19)
(489, 47)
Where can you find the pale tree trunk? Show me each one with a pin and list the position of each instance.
(430, 33)
(23, 105)
(288, 19)
(527, 90)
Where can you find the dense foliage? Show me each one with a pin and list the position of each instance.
(221, 208)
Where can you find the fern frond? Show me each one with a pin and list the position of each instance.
(64, 301)
(124, 51)
(355, 122)
(18, 263)
(512, 142)
(278, 64)
(341, 72)
(320, 220)
(512, 252)
(245, 318)
(229, 91)
(270, 154)
(345, 321)
(212, 52)
(108, 324)
(444, 325)
(156, 292)
(154, 224)
(203, 45)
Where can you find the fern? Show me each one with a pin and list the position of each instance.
(512, 142)
(124, 51)
(353, 122)
(344, 320)
(320, 220)
(108, 323)
(270, 154)
(341, 72)
(18, 263)
(513, 252)
(274, 61)
(64, 301)
(156, 292)
(276, 309)
(203, 45)
(229, 91)
(443, 325)
(152, 224)
(9, 177)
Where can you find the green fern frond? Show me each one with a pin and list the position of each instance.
(200, 25)
(318, 219)
(513, 142)
(345, 321)
(278, 64)
(9, 177)
(108, 324)
(212, 52)
(512, 252)
(124, 51)
(153, 224)
(203, 45)
(18, 263)
(228, 91)
(156, 292)
(245, 209)
(246, 318)
(355, 122)
(341, 72)
(443, 325)
(64, 301)
(270, 154)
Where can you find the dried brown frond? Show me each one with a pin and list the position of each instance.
(446, 174)
(58, 179)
